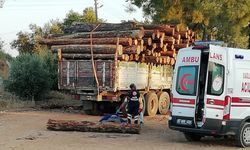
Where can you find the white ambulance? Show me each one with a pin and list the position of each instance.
(211, 93)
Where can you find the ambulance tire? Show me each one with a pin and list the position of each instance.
(164, 102)
(192, 137)
(151, 104)
(243, 136)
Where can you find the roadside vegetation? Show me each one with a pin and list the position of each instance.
(32, 78)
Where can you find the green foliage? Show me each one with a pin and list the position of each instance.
(224, 20)
(28, 42)
(29, 77)
(24, 43)
(72, 17)
(87, 16)
(1, 44)
(50, 61)
(5, 56)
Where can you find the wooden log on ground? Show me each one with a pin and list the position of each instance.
(138, 34)
(88, 27)
(86, 49)
(89, 56)
(95, 41)
(86, 126)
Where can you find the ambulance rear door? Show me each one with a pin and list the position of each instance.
(184, 89)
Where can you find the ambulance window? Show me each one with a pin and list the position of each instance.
(186, 80)
(215, 79)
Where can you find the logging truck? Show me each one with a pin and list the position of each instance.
(98, 62)
(112, 81)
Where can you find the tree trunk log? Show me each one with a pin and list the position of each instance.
(168, 53)
(86, 126)
(179, 46)
(86, 49)
(131, 50)
(137, 34)
(184, 34)
(88, 27)
(89, 56)
(172, 61)
(95, 41)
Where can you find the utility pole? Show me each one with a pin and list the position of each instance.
(96, 9)
(249, 35)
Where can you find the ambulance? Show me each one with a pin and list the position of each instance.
(211, 93)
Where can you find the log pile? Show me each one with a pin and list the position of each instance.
(86, 126)
(156, 44)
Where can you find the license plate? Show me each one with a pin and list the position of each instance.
(184, 122)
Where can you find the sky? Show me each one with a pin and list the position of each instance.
(16, 15)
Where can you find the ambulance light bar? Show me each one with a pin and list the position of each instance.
(201, 47)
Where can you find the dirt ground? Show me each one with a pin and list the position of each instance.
(26, 130)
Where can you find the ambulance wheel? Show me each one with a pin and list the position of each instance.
(151, 104)
(191, 137)
(164, 102)
(243, 136)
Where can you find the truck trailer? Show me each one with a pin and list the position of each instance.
(98, 62)
(112, 82)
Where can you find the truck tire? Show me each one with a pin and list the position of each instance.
(151, 104)
(192, 137)
(164, 102)
(243, 135)
(144, 104)
(94, 110)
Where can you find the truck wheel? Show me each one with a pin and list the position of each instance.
(144, 104)
(151, 104)
(164, 102)
(191, 137)
(243, 136)
(93, 110)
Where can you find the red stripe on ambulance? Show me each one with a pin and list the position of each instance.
(215, 102)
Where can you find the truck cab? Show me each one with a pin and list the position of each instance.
(205, 86)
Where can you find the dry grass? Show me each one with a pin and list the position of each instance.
(9, 101)
(53, 99)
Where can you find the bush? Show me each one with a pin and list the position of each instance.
(29, 77)
(52, 66)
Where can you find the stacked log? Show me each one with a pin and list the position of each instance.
(86, 126)
(154, 44)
